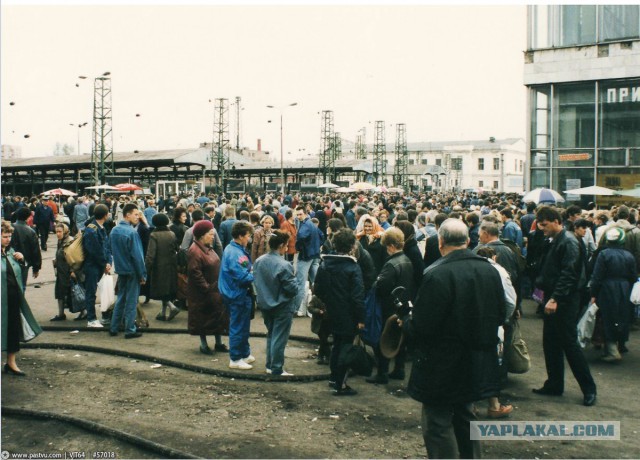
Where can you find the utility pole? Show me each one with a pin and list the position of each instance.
(327, 162)
(102, 148)
(220, 145)
(402, 157)
(238, 123)
(379, 154)
(361, 144)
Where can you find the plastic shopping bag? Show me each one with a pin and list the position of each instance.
(107, 291)
(587, 324)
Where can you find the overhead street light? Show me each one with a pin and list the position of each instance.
(282, 108)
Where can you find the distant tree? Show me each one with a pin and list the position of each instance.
(61, 150)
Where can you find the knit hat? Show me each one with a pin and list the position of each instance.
(201, 228)
(160, 220)
(615, 236)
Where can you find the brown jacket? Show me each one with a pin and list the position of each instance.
(290, 228)
(207, 314)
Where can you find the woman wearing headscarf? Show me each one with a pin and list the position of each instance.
(18, 323)
(161, 262)
(207, 314)
(63, 272)
(368, 233)
(613, 277)
(261, 237)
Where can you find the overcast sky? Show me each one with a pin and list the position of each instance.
(448, 72)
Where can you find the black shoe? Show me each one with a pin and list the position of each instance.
(113, 334)
(173, 314)
(205, 350)
(346, 391)
(133, 335)
(379, 379)
(221, 347)
(146, 300)
(160, 317)
(622, 348)
(12, 371)
(589, 399)
(322, 360)
(546, 392)
(332, 384)
(62, 317)
(397, 375)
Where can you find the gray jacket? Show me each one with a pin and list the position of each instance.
(275, 282)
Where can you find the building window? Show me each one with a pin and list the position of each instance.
(620, 114)
(578, 24)
(456, 164)
(438, 162)
(618, 22)
(521, 165)
(575, 124)
(481, 164)
(412, 161)
(496, 164)
(495, 185)
(480, 183)
(424, 161)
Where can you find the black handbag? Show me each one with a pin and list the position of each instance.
(354, 356)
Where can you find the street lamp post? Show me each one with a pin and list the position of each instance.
(281, 143)
(79, 125)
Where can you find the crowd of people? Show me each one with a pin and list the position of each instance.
(465, 261)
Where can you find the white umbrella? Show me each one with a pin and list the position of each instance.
(634, 192)
(543, 195)
(344, 190)
(328, 185)
(362, 186)
(592, 190)
(102, 187)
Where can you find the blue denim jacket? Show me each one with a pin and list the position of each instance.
(127, 251)
(235, 272)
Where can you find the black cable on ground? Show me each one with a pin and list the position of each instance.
(161, 330)
(179, 365)
(93, 427)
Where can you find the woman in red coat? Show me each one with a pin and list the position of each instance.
(207, 314)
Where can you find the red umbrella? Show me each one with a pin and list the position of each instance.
(127, 187)
(59, 191)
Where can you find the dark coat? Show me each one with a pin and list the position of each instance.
(397, 271)
(457, 312)
(611, 284)
(368, 268)
(412, 251)
(377, 251)
(207, 314)
(63, 270)
(431, 251)
(178, 230)
(340, 287)
(161, 263)
(504, 256)
(561, 268)
(25, 240)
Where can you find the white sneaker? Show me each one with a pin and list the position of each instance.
(268, 371)
(94, 323)
(249, 359)
(240, 364)
(286, 374)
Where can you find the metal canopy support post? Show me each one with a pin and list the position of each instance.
(102, 149)
(379, 154)
(401, 176)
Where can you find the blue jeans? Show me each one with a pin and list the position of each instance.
(302, 274)
(239, 325)
(278, 321)
(126, 303)
(92, 275)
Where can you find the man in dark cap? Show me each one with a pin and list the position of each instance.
(43, 220)
(25, 240)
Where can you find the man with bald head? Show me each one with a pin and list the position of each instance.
(454, 327)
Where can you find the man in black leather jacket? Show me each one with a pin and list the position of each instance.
(25, 240)
(561, 269)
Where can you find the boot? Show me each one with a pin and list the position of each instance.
(612, 354)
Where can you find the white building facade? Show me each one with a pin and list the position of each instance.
(582, 71)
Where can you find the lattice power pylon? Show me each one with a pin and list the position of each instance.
(238, 110)
(327, 164)
(220, 145)
(337, 146)
(102, 149)
(379, 154)
(400, 173)
(361, 145)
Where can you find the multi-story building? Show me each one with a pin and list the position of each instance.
(582, 71)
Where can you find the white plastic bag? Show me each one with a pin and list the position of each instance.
(635, 293)
(107, 291)
(587, 324)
